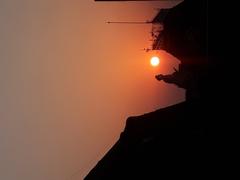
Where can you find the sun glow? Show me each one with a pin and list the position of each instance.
(155, 61)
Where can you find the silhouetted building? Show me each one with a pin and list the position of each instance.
(176, 141)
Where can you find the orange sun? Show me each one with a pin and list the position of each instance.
(155, 61)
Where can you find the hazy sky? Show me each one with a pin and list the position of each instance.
(69, 81)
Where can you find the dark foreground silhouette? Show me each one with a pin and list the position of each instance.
(170, 142)
(184, 140)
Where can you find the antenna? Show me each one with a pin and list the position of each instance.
(128, 22)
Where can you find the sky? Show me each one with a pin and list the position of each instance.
(69, 81)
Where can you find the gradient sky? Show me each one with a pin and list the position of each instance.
(69, 81)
